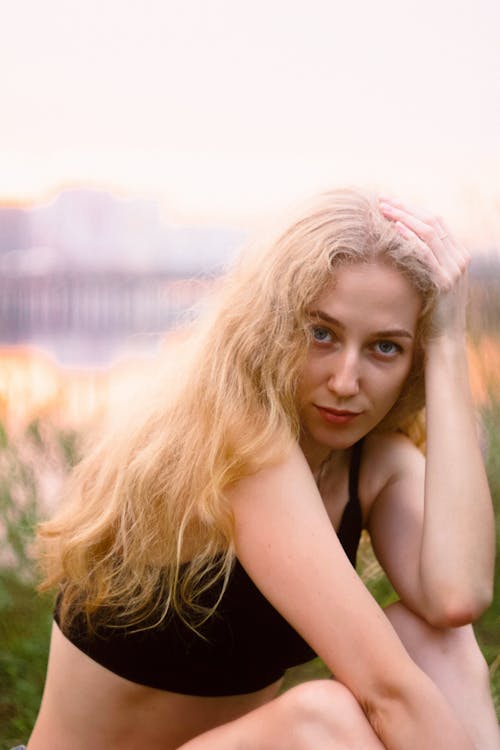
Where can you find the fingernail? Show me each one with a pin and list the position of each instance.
(385, 207)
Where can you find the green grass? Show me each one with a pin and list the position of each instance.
(25, 617)
(25, 620)
(488, 627)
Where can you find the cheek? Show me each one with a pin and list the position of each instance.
(398, 383)
(389, 388)
(309, 377)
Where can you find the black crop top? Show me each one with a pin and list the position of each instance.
(247, 644)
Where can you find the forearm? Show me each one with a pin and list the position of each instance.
(458, 535)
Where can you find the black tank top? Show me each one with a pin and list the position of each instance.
(246, 644)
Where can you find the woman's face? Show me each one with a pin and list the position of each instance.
(363, 338)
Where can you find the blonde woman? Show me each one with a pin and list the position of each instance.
(208, 543)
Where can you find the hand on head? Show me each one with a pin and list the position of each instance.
(444, 255)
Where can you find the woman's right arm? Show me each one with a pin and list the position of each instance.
(286, 542)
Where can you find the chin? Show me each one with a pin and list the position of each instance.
(339, 440)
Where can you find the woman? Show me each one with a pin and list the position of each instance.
(209, 543)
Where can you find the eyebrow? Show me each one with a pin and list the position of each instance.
(389, 333)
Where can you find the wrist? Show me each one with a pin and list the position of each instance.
(447, 344)
(446, 365)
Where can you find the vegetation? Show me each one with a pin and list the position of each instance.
(28, 464)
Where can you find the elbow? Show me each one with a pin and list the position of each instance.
(453, 611)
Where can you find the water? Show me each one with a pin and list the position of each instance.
(92, 320)
(83, 350)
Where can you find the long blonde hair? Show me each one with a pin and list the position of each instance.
(147, 526)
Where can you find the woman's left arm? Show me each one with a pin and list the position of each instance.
(456, 524)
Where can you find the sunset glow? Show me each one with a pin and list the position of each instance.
(33, 386)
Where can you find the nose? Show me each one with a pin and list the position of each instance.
(344, 376)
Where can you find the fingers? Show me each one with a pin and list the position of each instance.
(439, 248)
(426, 251)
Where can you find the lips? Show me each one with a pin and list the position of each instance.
(337, 416)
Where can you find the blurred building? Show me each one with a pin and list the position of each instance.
(88, 271)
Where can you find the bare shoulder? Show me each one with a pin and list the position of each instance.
(387, 458)
(282, 473)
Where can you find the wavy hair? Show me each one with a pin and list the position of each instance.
(147, 528)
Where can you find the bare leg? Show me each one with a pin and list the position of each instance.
(317, 715)
(453, 660)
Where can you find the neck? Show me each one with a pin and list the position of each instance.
(316, 455)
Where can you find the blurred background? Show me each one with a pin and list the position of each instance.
(141, 144)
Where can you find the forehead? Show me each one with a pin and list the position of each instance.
(375, 295)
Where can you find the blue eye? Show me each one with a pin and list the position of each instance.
(387, 348)
(321, 334)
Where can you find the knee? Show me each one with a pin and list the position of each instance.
(324, 709)
(318, 698)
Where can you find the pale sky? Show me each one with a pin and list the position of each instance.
(226, 110)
